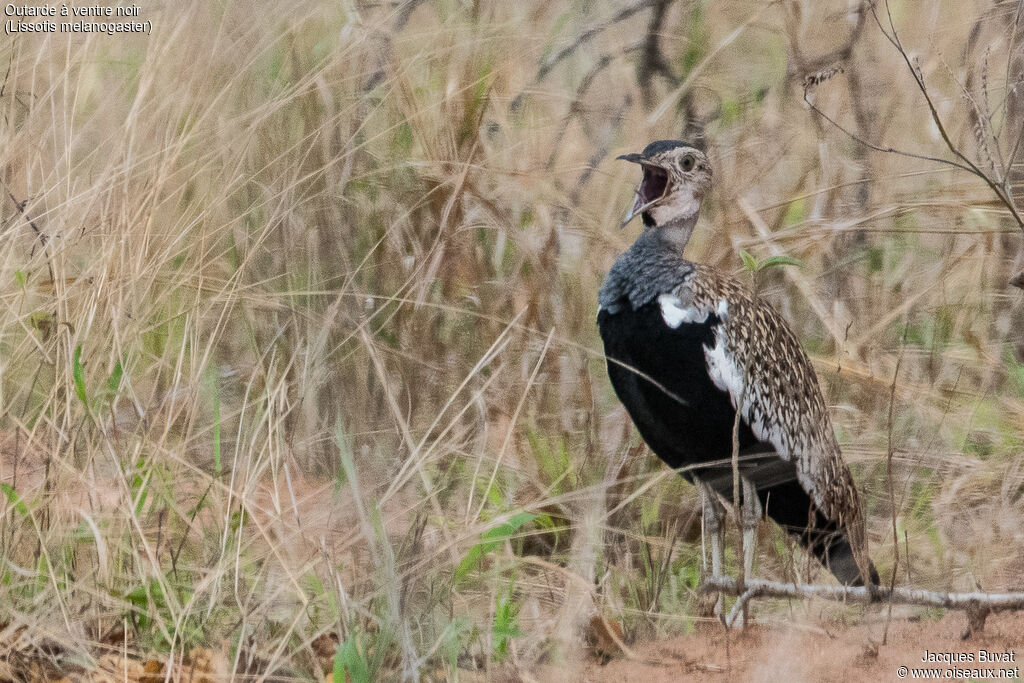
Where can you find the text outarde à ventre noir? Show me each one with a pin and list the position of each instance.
(39, 19)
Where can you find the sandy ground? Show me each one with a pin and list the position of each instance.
(808, 652)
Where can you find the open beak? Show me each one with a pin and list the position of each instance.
(652, 189)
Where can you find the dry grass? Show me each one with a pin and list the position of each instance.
(298, 314)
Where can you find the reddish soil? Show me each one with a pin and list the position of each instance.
(792, 652)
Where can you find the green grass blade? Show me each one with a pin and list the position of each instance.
(78, 374)
(16, 500)
(490, 540)
(349, 664)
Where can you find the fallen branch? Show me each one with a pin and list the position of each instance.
(978, 605)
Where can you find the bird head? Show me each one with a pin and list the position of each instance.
(676, 176)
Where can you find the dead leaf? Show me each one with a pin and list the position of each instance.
(152, 671)
(604, 636)
(324, 647)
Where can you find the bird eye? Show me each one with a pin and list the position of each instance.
(688, 162)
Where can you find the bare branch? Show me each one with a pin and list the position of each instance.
(20, 206)
(653, 61)
(999, 186)
(978, 605)
(813, 79)
(915, 71)
(576, 107)
(585, 36)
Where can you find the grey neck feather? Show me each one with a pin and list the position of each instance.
(654, 265)
(676, 232)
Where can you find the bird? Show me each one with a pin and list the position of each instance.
(689, 347)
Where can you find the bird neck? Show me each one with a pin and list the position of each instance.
(675, 233)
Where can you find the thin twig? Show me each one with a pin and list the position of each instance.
(962, 162)
(40, 235)
(587, 35)
(814, 79)
(889, 486)
(20, 205)
(576, 107)
(653, 62)
(918, 76)
(7, 74)
(737, 505)
(696, 71)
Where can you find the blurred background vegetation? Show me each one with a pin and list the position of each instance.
(298, 357)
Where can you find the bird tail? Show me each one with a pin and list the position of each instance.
(831, 542)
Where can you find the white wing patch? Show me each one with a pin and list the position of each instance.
(675, 312)
(727, 375)
(723, 371)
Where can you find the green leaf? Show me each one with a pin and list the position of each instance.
(348, 660)
(78, 373)
(796, 213)
(238, 519)
(139, 485)
(506, 529)
(773, 261)
(752, 264)
(491, 540)
(749, 262)
(114, 382)
(14, 498)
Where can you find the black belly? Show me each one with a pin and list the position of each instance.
(688, 422)
(660, 374)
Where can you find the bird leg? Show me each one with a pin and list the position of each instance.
(714, 526)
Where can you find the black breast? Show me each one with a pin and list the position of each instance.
(660, 374)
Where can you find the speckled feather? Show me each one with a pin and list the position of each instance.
(783, 402)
